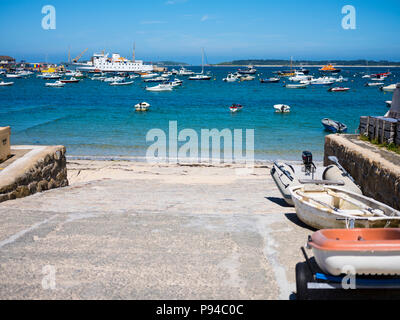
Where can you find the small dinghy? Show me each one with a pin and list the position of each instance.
(334, 126)
(329, 207)
(287, 175)
(338, 89)
(296, 86)
(235, 108)
(368, 251)
(270, 80)
(143, 106)
(57, 84)
(282, 108)
(5, 84)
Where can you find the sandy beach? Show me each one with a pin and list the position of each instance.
(129, 230)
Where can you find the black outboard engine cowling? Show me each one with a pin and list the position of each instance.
(307, 158)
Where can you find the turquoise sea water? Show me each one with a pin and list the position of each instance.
(92, 118)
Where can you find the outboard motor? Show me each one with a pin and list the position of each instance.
(309, 165)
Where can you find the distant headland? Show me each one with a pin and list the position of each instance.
(311, 63)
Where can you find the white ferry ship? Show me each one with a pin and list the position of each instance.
(116, 63)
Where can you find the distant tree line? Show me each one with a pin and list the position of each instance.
(171, 63)
(310, 62)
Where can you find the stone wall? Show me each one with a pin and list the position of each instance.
(40, 169)
(376, 171)
(4, 143)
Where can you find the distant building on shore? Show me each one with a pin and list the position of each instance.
(7, 62)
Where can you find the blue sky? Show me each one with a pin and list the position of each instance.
(178, 29)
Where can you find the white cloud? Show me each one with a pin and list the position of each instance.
(205, 18)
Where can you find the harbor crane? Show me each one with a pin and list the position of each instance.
(80, 56)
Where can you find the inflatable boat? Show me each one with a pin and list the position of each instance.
(288, 175)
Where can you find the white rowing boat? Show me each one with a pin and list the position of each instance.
(328, 207)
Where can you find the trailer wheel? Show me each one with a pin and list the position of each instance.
(303, 276)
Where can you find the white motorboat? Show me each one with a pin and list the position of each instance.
(338, 89)
(71, 80)
(380, 78)
(121, 83)
(230, 78)
(270, 80)
(25, 73)
(374, 84)
(250, 70)
(296, 86)
(328, 207)
(247, 78)
(184, 72)
(282, 108)
(325, 81)
(160, 87)
(156, 79)
(389, 88)
(334, 126)
(149, 75)
(5, 84)
(57, 84)
(200, 77)
(175, 83)
(287, 175)
(13, 75)
(98, 78)
(341, 79)
(114, 79)
(50, 76)
(143, 106)
(300, 76)
(235, 108)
